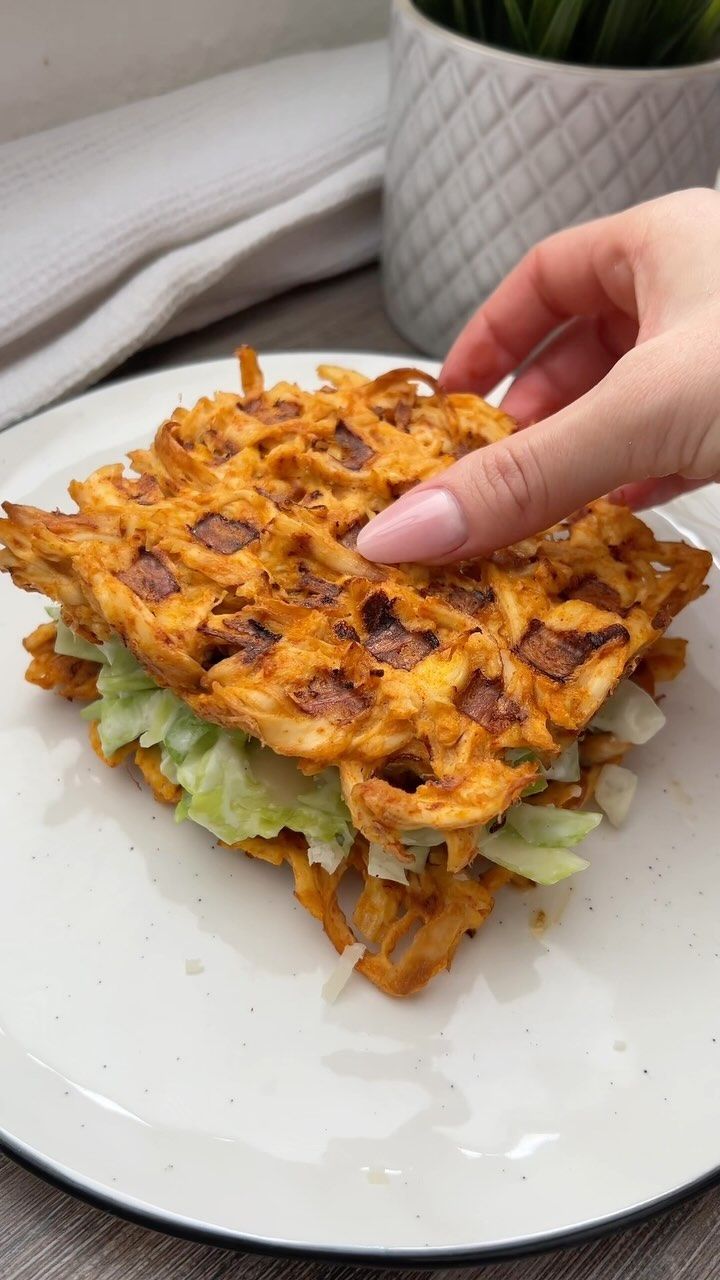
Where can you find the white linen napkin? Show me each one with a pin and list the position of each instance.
(158, 217)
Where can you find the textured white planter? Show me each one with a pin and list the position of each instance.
(490, 151)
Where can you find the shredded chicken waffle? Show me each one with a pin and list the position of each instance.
(225, 560)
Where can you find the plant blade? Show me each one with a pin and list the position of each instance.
(516, 23)
(479, 26)
(560, 30)
(703, 40)
(541, 15)
(460, 17)
(676, 35)
(619, 33)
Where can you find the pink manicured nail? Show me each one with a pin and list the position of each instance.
(419, 526)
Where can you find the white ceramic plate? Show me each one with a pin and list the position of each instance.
(545, 1087)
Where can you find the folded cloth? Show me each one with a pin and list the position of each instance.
(156, 218)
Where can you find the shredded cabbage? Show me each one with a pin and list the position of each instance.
(565, 769)
(428, 837)
(227, 784)
(567, 766)
(534, 787)
(615, 792)
(121, 673)
(520, 755)
(328, 853)
(544, 865)
(550, 827)
(631, 714)
(386, 866)
(72, 646)
(343, 971)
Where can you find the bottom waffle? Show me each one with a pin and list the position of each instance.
(411, 932)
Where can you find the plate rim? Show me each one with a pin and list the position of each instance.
(176, 1225)
(182, 1228)
(405, 359)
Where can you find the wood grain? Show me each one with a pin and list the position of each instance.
(47, 1235)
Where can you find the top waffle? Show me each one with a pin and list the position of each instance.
(226, 562)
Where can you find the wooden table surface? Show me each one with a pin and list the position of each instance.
(47, 1235)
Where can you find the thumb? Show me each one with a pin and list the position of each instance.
(616, 433)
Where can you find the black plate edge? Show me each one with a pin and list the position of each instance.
(426, 1259)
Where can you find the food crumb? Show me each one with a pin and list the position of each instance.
(539, 922)
(378, 1177)
(680, 792)
(620, 1045)
(194, 966)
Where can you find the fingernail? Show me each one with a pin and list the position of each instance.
(419, 526)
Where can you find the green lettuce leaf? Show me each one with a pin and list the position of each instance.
(329, 854)
(72, 646)
(544, 865)
(534, 787)
(615, 792)
(565, 769)
(567, 766)
(231, 785)
(386, 866)
(123, 719)
(425, 837)
(520, 755)
(631, 714)
(550, 827)
(121, 674)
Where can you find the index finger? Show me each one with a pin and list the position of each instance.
(584, 271)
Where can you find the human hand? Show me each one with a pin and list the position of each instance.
(626, 395)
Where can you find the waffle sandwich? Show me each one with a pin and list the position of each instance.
(430, 733)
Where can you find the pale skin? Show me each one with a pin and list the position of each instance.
(622, 399)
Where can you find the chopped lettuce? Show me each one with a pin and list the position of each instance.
(631, 714)
(226, 796)
(535, 841)
(122, 720)
(521, 755)
(343, 971)
(72, 646)
(386, 866)
(184, 732)
(322, 810)
(615, 792)
(544, 865)
(92, 711)
(550, 827)
(121, 673)
(163, 712)
(565, 769)
(534, 787)
(232, 785)
(567, 766)
(327, 852)
(427, 837)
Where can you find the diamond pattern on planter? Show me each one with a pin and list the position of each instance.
(487, 154)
